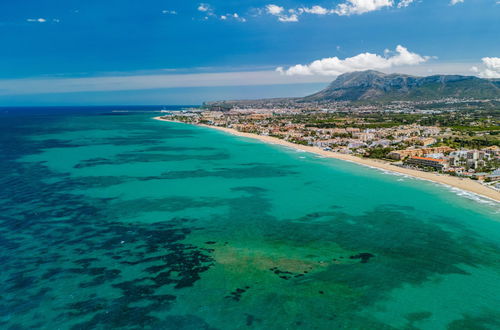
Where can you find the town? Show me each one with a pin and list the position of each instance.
(458, 142)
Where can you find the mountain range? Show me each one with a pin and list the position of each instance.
(376, 86)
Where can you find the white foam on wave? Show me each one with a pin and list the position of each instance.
(474, 197)
(457, 191)
(384, 171)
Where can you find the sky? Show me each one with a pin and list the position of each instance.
(95, 52)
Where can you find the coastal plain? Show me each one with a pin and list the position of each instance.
(459, 183)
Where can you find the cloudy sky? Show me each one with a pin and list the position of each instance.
(186, 52)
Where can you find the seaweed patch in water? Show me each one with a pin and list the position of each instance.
(364, 256)
(236, 294)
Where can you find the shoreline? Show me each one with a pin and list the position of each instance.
(454, 182)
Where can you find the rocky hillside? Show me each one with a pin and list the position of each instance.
(373, 85)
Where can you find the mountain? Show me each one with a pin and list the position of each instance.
(378, 86)
(374, 86)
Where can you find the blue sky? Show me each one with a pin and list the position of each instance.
(185, 52)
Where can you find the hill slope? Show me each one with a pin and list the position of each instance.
(374, 86)
(377, 86)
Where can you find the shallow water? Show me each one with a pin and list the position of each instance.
(121, 221)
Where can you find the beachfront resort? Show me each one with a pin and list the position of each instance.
(456, 143)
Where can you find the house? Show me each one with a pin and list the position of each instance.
(401, 154)
(494, 176)
(426, 162)
(480, 176)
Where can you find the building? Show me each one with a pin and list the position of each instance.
(436, 156)
(438, 164)
(381, 143)
(259, 116)
(429, 131)
(471, 158)
(480, 176)
(494, 176)
(402, 154)
(354, 145)
(365, 136)
(352, 130)
(421, 140)
(325, 143)
(494, 151)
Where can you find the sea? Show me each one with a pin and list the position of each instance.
(113, 220)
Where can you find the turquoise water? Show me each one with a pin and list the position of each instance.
(121, 221)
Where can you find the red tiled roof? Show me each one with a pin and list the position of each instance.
(432, 159)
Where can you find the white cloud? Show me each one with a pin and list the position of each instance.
(348, 7)
(454, 2)
(234, 16)
(239, 18)
(405, 3)
(128, 81)
(358, 7)
(291, 18)
(274, 10)
(169, 12)
(491, 68)
(334, 66)
(317, 10)
(204, 7)
(37, 20)
(279, 12)
(210, 13)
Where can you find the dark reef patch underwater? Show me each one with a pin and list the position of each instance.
(124, 222)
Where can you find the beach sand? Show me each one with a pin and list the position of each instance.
(460, 183)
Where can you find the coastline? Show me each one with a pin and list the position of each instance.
(455, 182)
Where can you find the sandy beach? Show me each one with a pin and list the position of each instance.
(460, 183)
